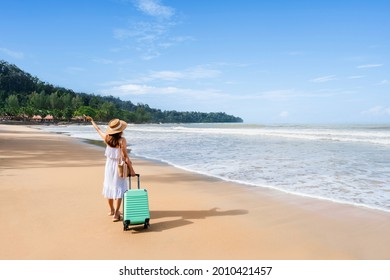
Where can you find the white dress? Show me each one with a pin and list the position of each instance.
(114, 186)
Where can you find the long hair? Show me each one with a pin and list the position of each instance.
(112, 140)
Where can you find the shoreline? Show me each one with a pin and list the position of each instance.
(193, 216)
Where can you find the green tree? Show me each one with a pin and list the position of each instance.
(128, 116)
(77, 102)
(108, 111)
(13, 104)
(37, 100)
(67, 113)
(67, 100)
(27, 110)
(54, 101)
(57, 114)
(95, 102)
(141, 115)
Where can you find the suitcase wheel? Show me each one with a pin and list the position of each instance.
(147, 224)
(126, 225)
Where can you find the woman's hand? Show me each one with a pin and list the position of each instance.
(132, 172)
(101, 133)
(88, 118)
(130, 165)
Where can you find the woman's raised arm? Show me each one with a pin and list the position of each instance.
(101, 133)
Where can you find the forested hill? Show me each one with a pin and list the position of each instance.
(23, 96)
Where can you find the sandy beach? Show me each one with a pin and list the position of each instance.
(51, 208)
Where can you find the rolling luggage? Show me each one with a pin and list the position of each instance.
(135, 206)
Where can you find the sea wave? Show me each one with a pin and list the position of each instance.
(372, 135)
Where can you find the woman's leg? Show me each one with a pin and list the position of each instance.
(112, 209)
(117, 214)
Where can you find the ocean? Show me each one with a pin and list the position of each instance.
(341, 163)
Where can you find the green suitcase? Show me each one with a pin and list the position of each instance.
(136, 206)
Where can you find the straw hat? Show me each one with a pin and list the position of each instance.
(116, 126)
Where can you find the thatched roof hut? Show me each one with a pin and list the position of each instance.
(37, 118)
(49, 118)
(78, 118)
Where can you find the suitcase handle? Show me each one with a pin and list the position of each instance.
(138, 179)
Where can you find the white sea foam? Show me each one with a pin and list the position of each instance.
(381, 136)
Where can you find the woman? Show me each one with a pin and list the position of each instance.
(114, 186)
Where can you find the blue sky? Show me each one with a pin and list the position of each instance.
(265, 61)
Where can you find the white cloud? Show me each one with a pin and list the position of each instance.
(129, 89)
(323, 79)
(151, 35)
(198, 72)
(383, 82)
(147, 38)
(154, 8)
(355, 77)
(166, 75)
(141, 89)
(11, 53)
(142, 31)
(122, 34)
(369, 66)
(284, 114)
(180, 39)
(377, 111)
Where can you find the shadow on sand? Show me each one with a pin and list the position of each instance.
(184, 218)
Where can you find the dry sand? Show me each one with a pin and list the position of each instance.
(51, 208)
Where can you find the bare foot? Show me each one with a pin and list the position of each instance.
(117, 216)
(117, 219)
